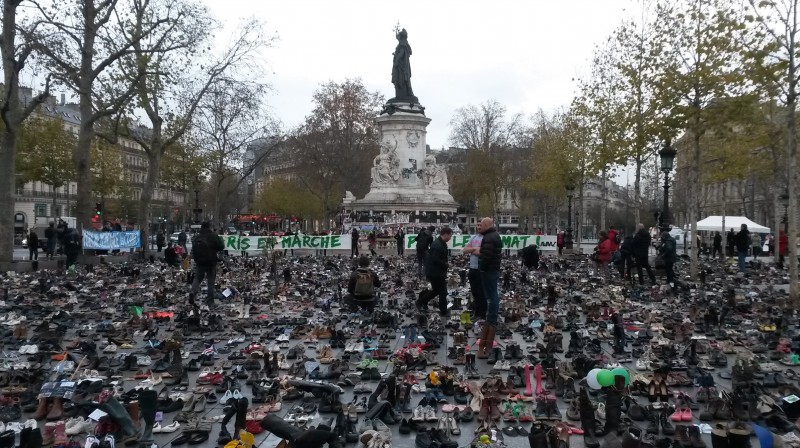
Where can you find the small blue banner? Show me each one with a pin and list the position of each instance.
(111, 240)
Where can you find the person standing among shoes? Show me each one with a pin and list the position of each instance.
(641, 253)
(472, 248)
(400, 237)
(50, 234)
(436, 266)
(489, 260)
(742, 246)
(205, 247)
(33, 245)
(424, 240)
(669, 253)
(354, 236)
(717, 249)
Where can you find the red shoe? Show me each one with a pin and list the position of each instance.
(686, 415)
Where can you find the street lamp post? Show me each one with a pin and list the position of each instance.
(667, 155)
(568, 236)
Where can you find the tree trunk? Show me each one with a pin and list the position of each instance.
(8, 152)
(724, 213)
(637, 193)
(776, 229)
(143, 212)
(603, 200)
(694, 197)
(791, 253)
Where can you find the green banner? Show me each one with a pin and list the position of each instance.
(513, 242)
(240, 243)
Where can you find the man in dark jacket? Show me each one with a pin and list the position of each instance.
(183, 239)
(668, 251)
(641, 253)
(50, 234)
(489, 259)
(742, 245)
(205, 247)
(717, 249)
(625, 261)
(436, 270)
(354, 236)
(424, 241)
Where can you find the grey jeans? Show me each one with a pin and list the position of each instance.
(210, 274)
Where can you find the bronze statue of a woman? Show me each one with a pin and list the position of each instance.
(401, 70)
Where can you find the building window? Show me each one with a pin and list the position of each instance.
(40, 210)
(57, 210)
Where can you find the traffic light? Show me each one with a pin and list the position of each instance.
(98, 209)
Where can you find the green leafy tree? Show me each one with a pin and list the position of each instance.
(772, 53)
(634, 46)
(106, 169)
(286, 197)
(45, 153)
(700, 57)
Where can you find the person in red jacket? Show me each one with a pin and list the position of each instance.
(783, 243)
(612, 235)
(605, 247)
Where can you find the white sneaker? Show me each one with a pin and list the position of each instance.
(419, 414)
(14, 426)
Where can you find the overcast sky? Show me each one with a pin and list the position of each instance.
(524, 53)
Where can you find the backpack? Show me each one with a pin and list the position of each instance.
(364, 284)
(203, 253)
(530, 256)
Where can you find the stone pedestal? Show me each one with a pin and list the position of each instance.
(404, 177)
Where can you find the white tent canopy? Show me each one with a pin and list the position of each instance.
(731, 222)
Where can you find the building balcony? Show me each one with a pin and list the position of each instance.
(26, 193)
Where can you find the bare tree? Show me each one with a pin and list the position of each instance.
(176, 83)
(230, 116)
(335, 146)
(13, 113)
(86, 43)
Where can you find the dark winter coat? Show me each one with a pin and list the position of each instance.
(491, 251)
(424, 241)
(742, 240)
(641, 243)
(436, 262)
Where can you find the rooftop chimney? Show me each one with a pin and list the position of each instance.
(63, 99)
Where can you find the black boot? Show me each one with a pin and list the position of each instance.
(391, 386)
(376, 394)
(148, 400)
(495, 356)
(653, 423)
(120, 415)
(537, 438)
(614, 404)
(406, 408)
(280, 428)
(588, 423)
